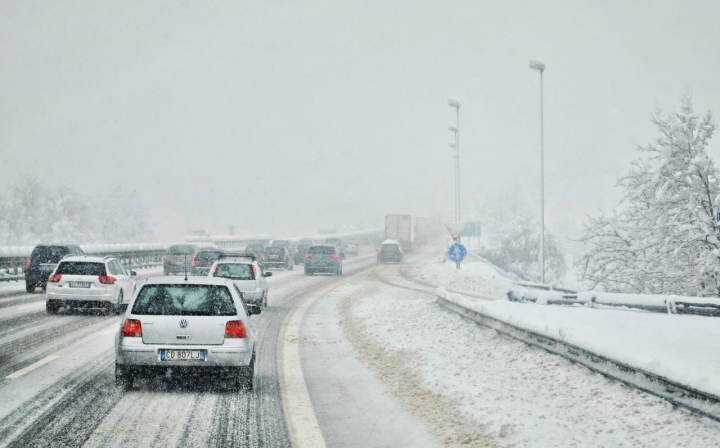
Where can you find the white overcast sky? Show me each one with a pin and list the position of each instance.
(289, 116)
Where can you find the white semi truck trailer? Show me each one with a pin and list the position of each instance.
(421, 230)
(400, 228)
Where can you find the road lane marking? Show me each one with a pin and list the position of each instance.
(31, 367)
(107, 331)
(302, 422)
(36, 305)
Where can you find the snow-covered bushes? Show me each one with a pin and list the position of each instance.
(516, 247)
(32, 212)
(663, 236)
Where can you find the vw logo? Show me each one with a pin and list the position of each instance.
(183, 323)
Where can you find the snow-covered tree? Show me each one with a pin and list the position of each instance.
(516, 248)
(32, 212)
(663, 236)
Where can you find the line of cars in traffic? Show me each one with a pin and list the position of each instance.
(193, 320)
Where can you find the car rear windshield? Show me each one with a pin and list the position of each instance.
(81, 268)
(235, 271)
(184, 300)
(180, 250)
(208, 258)
(49, 254)
(321, 250)
(390, 248)
(274, 250)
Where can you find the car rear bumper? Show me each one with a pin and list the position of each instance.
(390, 259)
(107, 297)
(322, 269)
(133, 352)
(274, 264)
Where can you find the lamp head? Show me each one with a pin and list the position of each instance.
(537, 64)
(454, 102)
(452, 128)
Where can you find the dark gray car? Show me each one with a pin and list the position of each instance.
(323, 259)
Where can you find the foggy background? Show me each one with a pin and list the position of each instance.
(290, 116)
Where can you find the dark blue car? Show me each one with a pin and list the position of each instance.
(323, 259)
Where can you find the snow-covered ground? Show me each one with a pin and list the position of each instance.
(518, 395)
(683, 348)
(475, 277)
(11, 287)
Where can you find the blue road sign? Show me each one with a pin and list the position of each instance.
(457, 252)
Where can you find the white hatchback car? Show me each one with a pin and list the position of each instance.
(196, 325)
(82, 281)
(246, 274)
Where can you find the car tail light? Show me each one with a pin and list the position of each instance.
(213, 269)
(284, 258)
(165, 257)
(308, 256)
(106, 280)
(333, 256)
(132, 328)
(400, 251)
(235, 329)
(54, 278)
(27, 264)
(379, 252)
(195, 261)
(255, 270)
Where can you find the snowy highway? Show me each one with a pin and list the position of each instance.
(365, 359)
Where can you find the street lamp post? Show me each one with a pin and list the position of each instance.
(453, 128)
(454, 102)
(539, 65)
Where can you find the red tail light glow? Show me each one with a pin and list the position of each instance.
(54, 278)
(213, 269)
(165, 257)
(400, 251)
(284, 258)
(106, 280)
(235, 329)
(132, 328)
(27, 264)
(255, 270)
(333, 256)
(308, 256)
(195, 261)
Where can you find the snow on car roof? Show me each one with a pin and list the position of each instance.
(180, 280)
(94, 259)
(391, 242)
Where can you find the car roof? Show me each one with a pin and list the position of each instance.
(391, 242)
(323, 245)
(191, 280)
(226, 260)
(90, 258)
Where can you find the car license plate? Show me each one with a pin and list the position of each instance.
(79, 284)
(182, 355)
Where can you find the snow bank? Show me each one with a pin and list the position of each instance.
(682, 348)
(474, 278)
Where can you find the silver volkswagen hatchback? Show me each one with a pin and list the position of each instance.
(197, 325)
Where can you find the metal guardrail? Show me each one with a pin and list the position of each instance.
(681, 395)
(132, 255)
(701, 306)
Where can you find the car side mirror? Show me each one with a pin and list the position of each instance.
(267, 274)
(133, 273)
(253, 309)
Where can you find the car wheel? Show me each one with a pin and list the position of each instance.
(29, 287)
(118, 307)
(51, 309)
(124, 377)
(247, 375)
(307, 272)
